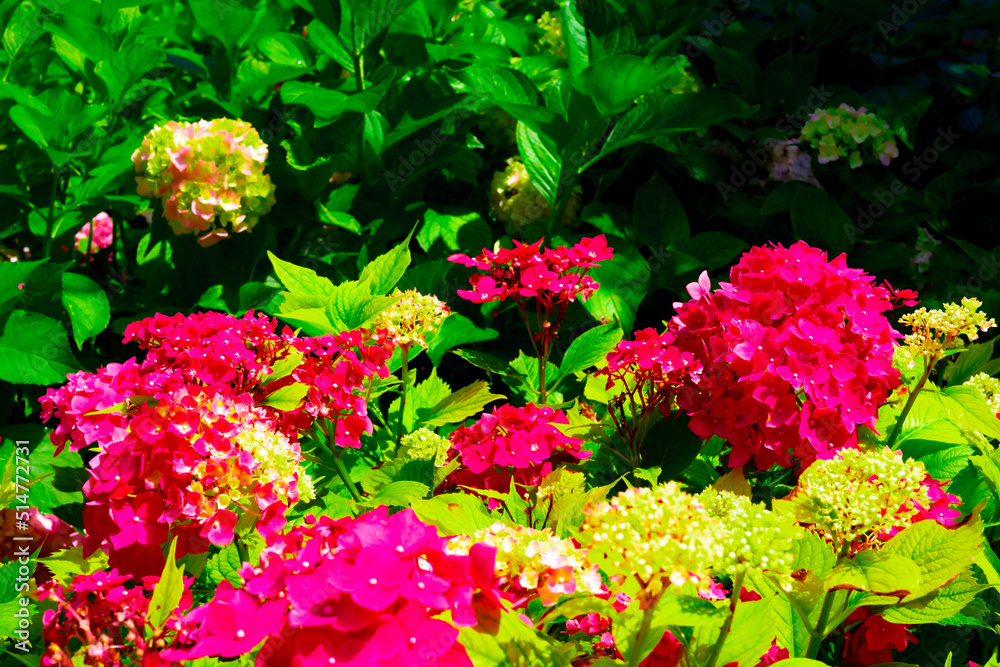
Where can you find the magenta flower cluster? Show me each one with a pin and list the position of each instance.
(366, 591)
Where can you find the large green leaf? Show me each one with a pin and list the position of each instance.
(939, 604)
(465, 402)
(941, 552)
(659, 216)
(168, 591)
(542, 159)
(125, 67)
(624, 281)
(385, 270)
(34, 349)
(588, 349)
(87, 305)
(614, 83)
(229, 22)
(876, 572)
(818, 220)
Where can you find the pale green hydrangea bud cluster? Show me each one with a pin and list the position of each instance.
(645, 538)
(859, 494)
(425, 445)
(752, 536)
(552, 40)
(516, 202)
(210, 175)
(934, 331)
(277, 458)
(531, 561)
(411, 318)
(842, 131)
(989, 387)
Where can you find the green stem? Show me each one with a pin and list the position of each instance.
(342, 471)
(734, 600)
(402, 398)
(909, 401)
(647, 619)
(541, 380)
(50, 218)
(359, 78)
(817, 638)
(241, 549)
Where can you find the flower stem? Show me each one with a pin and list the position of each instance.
(541, 380)
(647, 618)
(402, 398)
(734, 600)
(241, 549)
(817, 638)
(909, 401)
(342, 471)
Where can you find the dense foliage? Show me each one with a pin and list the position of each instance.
(337, 332)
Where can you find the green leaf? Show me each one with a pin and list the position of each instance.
(299, 280)
(385, 270)
(34, 349)
(515, 644)
(454, 513)
(941, 552)
(818, 220)
(746, 643)
(457, 228)
(876, 572)
(968, 408)
(420, 399)
(456, 330)
(624, 281)
(286, 398)
(465, 402)
(354, 304)
(125, 67)
(87, 305)
(38, 126)
(22, 29)
(340, 219)
(229, 22)
(713, 249)
(224, 565)
(401, 494)
(168, 591)
(329, 105)
(588, 349)
(659, 216)
(938, 604)
(614, 83)
(968, 363)
(540, 155)
(283, 367)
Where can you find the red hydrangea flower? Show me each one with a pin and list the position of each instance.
(796, 354)
(186, 439)
(873, 641)
(510, 444)
(554, 276)
(100, 619)
(650, 372)
(364, 591)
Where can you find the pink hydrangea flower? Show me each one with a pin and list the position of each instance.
(99, 232)
(364, 591)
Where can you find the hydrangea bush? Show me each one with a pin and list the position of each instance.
(497, 333)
